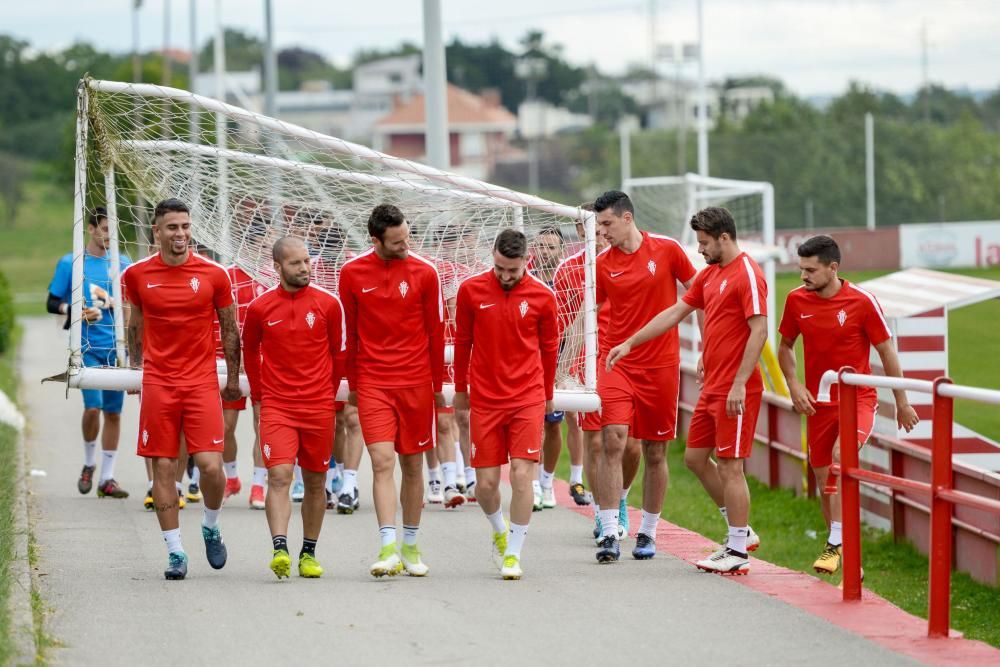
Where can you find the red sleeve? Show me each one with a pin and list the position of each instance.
(753, 291)
(130, 286)
(336, 332)
(251, 350)
(350, 305)
(222, 289)
(599, 284)
(568, 299)
(789, 327)
(695, 297)
(876, 327)
(683, 268)
(548, 336)
(464, 319)
(434, 323)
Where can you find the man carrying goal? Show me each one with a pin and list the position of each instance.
(293, 341)
(395, 358)
(506, 323)
(839, 323)
(173, 295)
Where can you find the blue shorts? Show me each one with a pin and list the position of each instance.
(555, 417)
(101, 399)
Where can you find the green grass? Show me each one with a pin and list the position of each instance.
(897, 572)
(32, 242)
(8, 491)
(967, 346)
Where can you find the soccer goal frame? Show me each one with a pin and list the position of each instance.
(406, 175)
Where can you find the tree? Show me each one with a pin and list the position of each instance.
(243, 52)
(297, 65)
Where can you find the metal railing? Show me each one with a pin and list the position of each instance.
(943, 496)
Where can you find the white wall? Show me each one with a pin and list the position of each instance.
(952, 244)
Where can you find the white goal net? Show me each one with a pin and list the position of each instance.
(249, 179)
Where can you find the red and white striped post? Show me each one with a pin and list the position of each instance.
(850, 493)
(939, 597)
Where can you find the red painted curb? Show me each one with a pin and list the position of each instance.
(874, 618)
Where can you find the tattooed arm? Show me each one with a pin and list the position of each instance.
(231, 347)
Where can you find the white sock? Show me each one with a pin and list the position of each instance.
(410, 534)
(459, 459)
(649, 523)
(298, 474)
(340, 469)
(597, 509)
(434, 475)
(173, 540)
(231, 469)
(331, 473)
(738, 538)
(725, 514)
(180, 487)
(350, 482)
(211, 518)
(496, 520)
(387, 534)
(448, 471)
(470, 476)
(836, 533)
(545, 478)
(149, 485)
(536, 487)
(609, 523)
(515, 539)
(259, 476)
(196, 475)
(90, 452)
(575, 474)
(625, 491)
(107, 465)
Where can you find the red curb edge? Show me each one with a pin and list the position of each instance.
(873, 618)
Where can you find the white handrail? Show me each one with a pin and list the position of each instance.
(832, 377)
(969, 393)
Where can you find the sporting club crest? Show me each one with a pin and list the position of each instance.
(722, 286)
(310, 319)
(195, 283)
(842, 316)
(523, 308)
(267, 451)
(145, 437)
(260, 290)
(651, 265)
(404, 287)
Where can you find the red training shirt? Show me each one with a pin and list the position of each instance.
(836, 332)
(395, 321)
(637, 287)
(729, 295)
(569, 282)
(179, 305)
(293, 348)
(512, 339)
(245, 290)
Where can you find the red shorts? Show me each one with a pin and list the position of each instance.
(167, 411)
(644, 399)
(290, 435)
(338, 406)
(404, 416)
(239, 404)
(446, 410)
(823, 429)
(732, 437)
(589, 421)
(499, 435)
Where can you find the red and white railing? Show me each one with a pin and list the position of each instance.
(940, 490)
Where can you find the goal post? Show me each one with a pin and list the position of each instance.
(249, 179)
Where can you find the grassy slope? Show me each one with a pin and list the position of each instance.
(8, 450)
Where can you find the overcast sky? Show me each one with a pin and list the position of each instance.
(815, 46)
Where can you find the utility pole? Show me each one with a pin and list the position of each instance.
(193, 67)
(136, 58)
(167, 73)
(870, 169)
(437, 141)
(270, 63)
(702, 101)
(924, 69)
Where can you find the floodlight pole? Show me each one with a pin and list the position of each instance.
(435, 89)
(222, 204)
(702, 102)
(870, 169)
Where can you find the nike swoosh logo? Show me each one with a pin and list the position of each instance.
(365, 290)
(805, 317)
(484, 306)
(151, 285)
(663, 432)
(216, 442)
(327, 462)
(423, 442)
(271, 324)
(532, 451)
(615, 275)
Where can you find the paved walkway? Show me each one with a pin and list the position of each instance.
(101, 565)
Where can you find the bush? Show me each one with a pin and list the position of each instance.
(6, 314)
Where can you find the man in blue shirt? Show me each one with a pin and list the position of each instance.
(98, 347)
